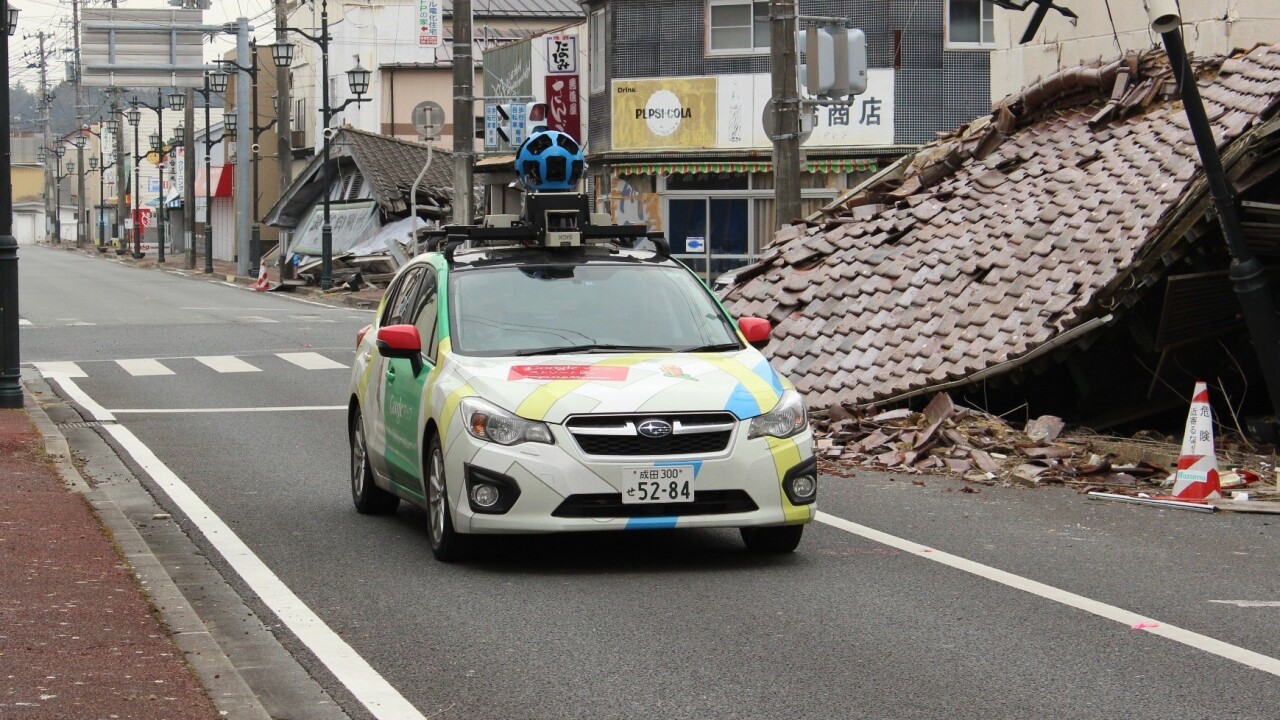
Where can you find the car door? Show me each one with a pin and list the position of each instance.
(407, 389)
(397, 307)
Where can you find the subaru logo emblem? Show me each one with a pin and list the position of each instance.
(655, 428)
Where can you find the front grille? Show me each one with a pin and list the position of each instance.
(610, 505)
(616, 435)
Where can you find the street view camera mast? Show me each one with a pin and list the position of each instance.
(549, 164)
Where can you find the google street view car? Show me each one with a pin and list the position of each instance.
(537, 374)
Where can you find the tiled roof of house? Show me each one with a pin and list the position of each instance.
(521, 8)
(391, 166)
(1002, 239)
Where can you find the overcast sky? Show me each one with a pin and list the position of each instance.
(54, 18)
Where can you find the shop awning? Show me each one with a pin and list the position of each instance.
(220, 175)
(743, 166)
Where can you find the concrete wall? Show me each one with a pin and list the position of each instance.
(1209, 26)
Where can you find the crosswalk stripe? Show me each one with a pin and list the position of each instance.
(60, 369)
(144, 367)
(23, 322)
(227, 364)
(311, 361)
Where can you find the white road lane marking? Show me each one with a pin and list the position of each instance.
(59, 369)
(311, 361)
(227, 364)
(352, 670)
(196, 411)
(1249, 603)
(257, 319)
(144, 367)
(1133, 620)
(22, 323)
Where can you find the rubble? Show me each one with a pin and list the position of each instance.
(984, 449)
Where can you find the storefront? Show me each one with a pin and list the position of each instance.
(689, 156)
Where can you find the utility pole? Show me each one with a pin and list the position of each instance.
(243, 139)
(189, 168)
(122, 173)
(786, 109)
(284, 132)
(80, 166)
(42, 62)
(464, 121)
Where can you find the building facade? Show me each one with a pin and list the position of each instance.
(678, 89)
(1210, 27)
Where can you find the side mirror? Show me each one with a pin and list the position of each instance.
(756, 331)
(401, 341)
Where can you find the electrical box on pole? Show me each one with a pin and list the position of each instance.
(835, 64)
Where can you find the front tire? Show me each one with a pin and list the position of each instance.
(369, 499)
(446, 544)
(782, 539)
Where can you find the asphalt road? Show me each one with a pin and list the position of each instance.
(665, 624)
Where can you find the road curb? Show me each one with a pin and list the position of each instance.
(228, 690)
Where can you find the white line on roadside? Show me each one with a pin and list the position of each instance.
(197, 411)
(1133, 620)
(1249, 603)
(352, 670)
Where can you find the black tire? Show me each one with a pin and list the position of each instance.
(447, 544)
(782, 539)
(369, 499)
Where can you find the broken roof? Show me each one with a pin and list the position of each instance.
(390, 165)
(1016, 233)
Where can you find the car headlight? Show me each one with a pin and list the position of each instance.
(486, 421)
(787, 418)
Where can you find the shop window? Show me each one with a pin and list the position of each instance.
(737, 26)
(707, 181)
(970, 23)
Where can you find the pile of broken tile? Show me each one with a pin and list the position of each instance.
(983, 448)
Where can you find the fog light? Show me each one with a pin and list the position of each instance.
(803, 487)
(485, 496)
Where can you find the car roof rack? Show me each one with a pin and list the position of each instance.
(550, 221)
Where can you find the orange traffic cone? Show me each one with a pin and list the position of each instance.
(263, 283)
(1197, 477)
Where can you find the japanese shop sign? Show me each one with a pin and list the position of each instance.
(429, 24)
(562, 54)
(725, 111)
(563, 105)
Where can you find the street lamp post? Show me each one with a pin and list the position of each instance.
(358, 79)
(176, 102)
(10, 375)
(214, 82)
(80, 141)
(59, 150)
(135, 116)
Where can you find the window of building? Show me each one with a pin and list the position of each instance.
(735, 27)
(598, 37)
(970, 23)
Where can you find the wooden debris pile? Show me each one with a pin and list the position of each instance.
(944, 438)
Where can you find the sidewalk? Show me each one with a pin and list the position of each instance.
(78, 636)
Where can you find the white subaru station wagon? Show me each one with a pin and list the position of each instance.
(535, 389)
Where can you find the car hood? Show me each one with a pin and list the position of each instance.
(553, 388)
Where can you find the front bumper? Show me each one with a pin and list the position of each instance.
(561, 489)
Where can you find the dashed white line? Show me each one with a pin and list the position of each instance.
(227, 364)
(144, 367)
(352, 670)
(311, 361)
(1133, 620)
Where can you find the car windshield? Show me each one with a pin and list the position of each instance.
(590, 308)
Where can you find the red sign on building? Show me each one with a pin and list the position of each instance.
(563, 105)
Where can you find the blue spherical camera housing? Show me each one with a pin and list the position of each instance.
(549, 161)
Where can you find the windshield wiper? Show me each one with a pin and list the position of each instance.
(717, 347)
(594, 348)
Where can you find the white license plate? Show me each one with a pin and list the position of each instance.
(661, 484)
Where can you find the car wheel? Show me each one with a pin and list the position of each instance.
(446, 544)
(782, 539)
(367, 496)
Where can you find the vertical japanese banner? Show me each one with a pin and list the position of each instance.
(563, 104)
(430, 22)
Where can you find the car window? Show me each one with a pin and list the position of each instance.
(400, 305)
(502, 310)
(425, 314)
